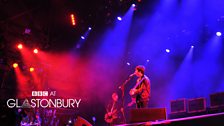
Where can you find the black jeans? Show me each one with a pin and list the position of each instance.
(142, 104)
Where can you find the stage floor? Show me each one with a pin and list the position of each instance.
(202, 120)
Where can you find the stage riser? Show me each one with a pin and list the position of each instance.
(208, 121)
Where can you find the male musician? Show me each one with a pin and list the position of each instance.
(114, 111)
(141, 90)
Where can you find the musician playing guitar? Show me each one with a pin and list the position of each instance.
(114, 111)
(141, 91)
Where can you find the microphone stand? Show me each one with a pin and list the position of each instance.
(122, 87)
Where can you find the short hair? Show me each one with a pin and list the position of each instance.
(140, 68)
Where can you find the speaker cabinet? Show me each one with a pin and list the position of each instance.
(147, 114)
(178, 106)
(81, 122)
(196, 105)
(217, 100)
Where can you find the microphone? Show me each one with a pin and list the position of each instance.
(132, 75)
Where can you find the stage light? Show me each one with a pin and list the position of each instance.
(147, 61)
(73, 19)
(119, 18)
(27, 31)
(94, 119)
(128, 64)
(167, 50)
(90, 28)
(31, 69)
(19, 46)
(69, 121)
(82, 37)
(15, 65)
(35, 51)
(218, 33)
(133, 5)
(192, 46)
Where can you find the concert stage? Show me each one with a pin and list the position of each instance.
(202, 120)
(106, 62)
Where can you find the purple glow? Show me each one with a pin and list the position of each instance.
(94, 118)
(27, 31)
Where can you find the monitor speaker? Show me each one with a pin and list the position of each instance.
(147, 114)
(81, 122)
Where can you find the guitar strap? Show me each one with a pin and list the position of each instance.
(139, 83)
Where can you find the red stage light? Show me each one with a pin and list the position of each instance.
(15, 65)
(35, 51)
(31, 69)
(19, 46)
(73, 19)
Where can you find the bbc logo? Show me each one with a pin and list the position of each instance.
(39, 93)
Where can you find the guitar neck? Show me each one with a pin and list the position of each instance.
(112, 106)
(139, 83)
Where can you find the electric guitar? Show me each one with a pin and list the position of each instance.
(132, 92)
(111, 115)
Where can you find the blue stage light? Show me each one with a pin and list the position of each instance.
(218, 33)
(167, 50)
(119, 18)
